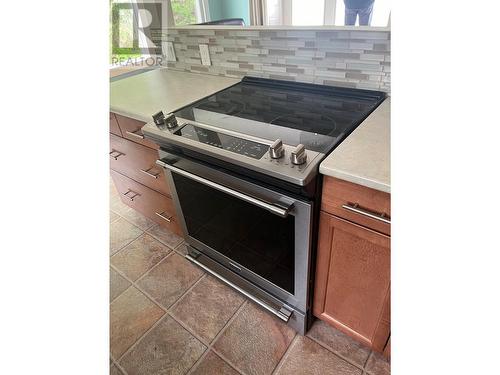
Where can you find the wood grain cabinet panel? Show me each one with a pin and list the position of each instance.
(138, 163)
(131, 129)
(352, 286)
(147, 201)
(337, 193)
(387, 350)
(113, 125)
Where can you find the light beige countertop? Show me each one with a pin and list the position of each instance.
(364, 157)
(142, 95)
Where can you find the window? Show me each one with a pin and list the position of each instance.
(308, 13)
(319, 12)
(184, 12)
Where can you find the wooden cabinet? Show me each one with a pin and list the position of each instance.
(113, 125)
(339, 195)
(352, 279)
(140, 183)
(387, 350)
(138, 163)
(131, 129)
(150, 203)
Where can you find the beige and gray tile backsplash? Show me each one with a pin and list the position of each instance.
(360, 59)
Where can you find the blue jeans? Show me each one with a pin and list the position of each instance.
(365, 16)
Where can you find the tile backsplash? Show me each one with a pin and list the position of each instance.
(349, 58)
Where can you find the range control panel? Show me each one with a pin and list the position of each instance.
(227, 142)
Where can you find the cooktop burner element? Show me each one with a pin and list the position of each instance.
(278, 128)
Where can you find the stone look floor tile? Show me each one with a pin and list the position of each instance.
(308, 357)
(170, 279)
(255, 341)
(113, 216)
(139, 256)
(167, 349)
(131, 314)
(113, 370)
(207, 307)
(138, 219)
(378, 365)
(116, 205)
(117, 284)
(122, 233)
(212, 364)
(339, 342)
(164, 235)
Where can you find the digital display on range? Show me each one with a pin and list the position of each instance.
(227, 142)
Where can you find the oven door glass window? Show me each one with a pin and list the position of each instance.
(253, 237)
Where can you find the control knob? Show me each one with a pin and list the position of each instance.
(276, 150)
(298, 156)
(169, 121)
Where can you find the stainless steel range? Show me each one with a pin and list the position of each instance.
(243, 168)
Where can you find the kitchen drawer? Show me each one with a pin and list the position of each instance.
(147, 201)
(113, 125)
(138, 163)
(131, 129)
(339, 195)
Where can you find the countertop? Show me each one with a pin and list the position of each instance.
(142, 95)
(364, 157)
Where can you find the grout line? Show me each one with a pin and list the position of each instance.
(157, 323)
(285, 354)
(367, 359)
(338, 354)
(171, 252)
(212, 343)
(119, 367)
(128, 243)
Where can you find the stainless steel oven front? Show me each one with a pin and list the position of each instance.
(256, 239)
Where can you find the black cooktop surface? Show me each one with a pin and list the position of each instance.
(318, 116)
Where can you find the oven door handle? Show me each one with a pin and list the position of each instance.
(280, 209)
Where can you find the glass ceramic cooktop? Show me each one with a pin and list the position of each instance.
(317, 116)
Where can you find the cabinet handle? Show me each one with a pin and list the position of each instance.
(119, 153)
(377, 216)
(134, 134)
(147, 171)
(132, 196)
(167, 219)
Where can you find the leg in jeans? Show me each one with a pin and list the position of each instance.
(365, 16)
(350, 16)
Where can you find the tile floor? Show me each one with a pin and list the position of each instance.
(169, 317)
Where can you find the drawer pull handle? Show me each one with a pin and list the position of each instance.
(168, 219)
(355, 208)
(116, 154)
(130, 194)
(134, 134)
(147, 171)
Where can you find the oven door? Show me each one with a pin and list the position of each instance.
(259, 234)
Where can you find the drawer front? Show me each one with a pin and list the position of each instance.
(357, 203)
(150, 203)
(131, 129)
(113, 125)
(138, 163)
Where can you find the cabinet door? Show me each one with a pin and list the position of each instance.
(352, 286)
